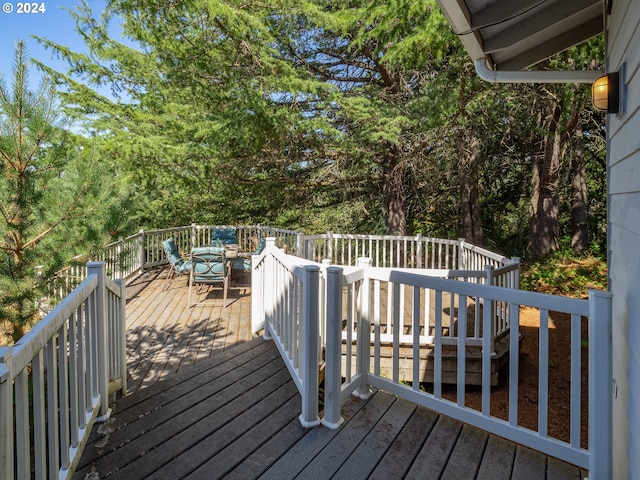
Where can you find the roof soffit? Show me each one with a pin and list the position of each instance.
(515, 34)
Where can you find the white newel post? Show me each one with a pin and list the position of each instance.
(462, 256)
(309, 336)
(194, 233)
(122, 331)
(490, 308)
(300, 245)
(333, 357)
(515, 283)
(322, 337)
(600, 385)
(257, 297)
(363, 354)
(141, 255)
(102, 362)
(6, 416)
(118, 261)
(268, 288)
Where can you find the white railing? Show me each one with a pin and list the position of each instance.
(359, 374)
(277, 292)
(289, 288)
(143, 250)
(398, 252)
(55, 382)
(310, 306)
(132, 255)
(382, 293)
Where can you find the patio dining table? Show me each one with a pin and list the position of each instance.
(231, 253)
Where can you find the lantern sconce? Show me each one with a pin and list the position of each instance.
(608, 92)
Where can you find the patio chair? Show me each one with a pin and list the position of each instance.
(209, 268)
(223, 236)
(244, 263)
(179, 265)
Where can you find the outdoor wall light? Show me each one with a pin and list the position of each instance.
(605, 92)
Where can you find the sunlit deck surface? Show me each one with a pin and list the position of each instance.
(209, 401)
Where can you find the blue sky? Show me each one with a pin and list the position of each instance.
(54, 23)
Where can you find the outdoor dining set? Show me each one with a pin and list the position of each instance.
(210, 264)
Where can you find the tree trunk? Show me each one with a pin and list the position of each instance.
(393, 193)
(469, 190)
(579, 231)
(543, 233)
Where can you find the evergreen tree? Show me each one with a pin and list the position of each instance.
(357, 116)
(49, 195)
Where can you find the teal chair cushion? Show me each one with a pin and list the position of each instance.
(224, 236)
(208, 267)
(241, 264)
(205, 250)
(173, 255)
(261, 244)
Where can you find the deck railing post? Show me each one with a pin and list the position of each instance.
(117, 267)
(600, 385)
(309, 338)
(141, 255)
(122, 331)
(193, 236)
(491, 306)
(257, 295)
(330, 246)
(462, 255)
(6, 416)
(268, 288)
(419, 251)
(300, 245)
(333, 354)
(101, 333)
(322, 337)
(515, 275)
(363, 354)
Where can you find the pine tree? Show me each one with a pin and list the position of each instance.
(49, 195)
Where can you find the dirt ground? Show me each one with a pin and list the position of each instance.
(559, 378)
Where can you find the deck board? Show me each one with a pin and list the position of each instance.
(347, 440)
(371, 450)
(208, 401)
(466, 456)
(497, 462)
(405, 448)
(436, 450)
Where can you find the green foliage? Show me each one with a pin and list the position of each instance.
(52, 194)
(564, 274)
(347, 116)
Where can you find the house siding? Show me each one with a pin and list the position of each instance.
(623, 36)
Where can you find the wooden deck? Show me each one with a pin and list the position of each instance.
(208, 401)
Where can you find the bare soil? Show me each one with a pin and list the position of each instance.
(559, 368)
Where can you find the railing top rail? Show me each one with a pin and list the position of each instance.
(292, 263)
(39, 335)
(512, 267)
(486, 253)
(363, 236)
(352, 274)
(318, 236)
(111, 285)
(518, 297)
(440, 272)
(119, 241)
(201, 227)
